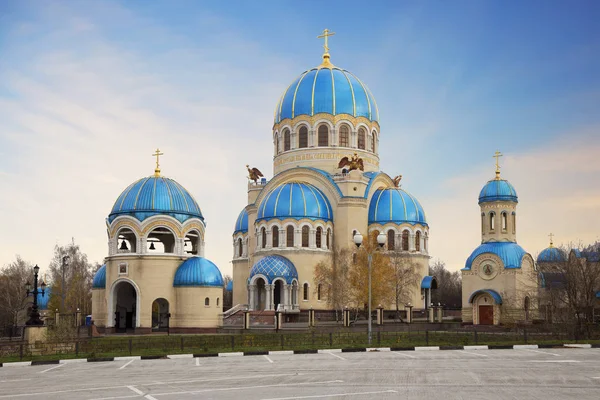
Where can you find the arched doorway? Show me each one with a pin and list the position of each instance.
(486, 307)
(277, 293)
(125, 301)
(160, 315)
(261, 298)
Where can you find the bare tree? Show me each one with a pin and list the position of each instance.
(449, 291)
(13, 278)
(333, 277)
(227, 294)
(405, 278)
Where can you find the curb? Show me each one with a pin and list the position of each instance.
(306, 351)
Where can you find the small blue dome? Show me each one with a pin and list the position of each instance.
(273, 267)
(498, 190)
(510, 253)
(328, 90)
(156, 195)
(198, 271)
(229, 286)
(295, 200)
(396, 206)
(43, 299)
(241, 224)
(99, 281)
(551, 254)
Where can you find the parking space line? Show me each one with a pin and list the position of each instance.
(244, 388)
(475, 354)
(148, 397)
(542, 352)
(268, 359)
(401, 353)
(126, 364)
(335, 355)
(136, 390)
(197, 361)
(321, 396)
(50, 369)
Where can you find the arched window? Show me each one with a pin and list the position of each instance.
(328, 237)
(323, 133)
(373, 142)
(362, 137)
(305, 292)
(391, 245)
(319, 292)
(263, 236)
(289, 236)
(240, 247)
(405, 240)
(418, 241)
(206, 302)
(492, 222)
(482, 222)
(319, 235)
(275, 236)
(344, 136)
(276, 144)
(425, 241)
(305, 236)
(217, 302)
(303, 137)
(504, 221)
(286, 140)
(514, 222)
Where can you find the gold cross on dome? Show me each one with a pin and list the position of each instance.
(325, 35)
(497, 156)
(157, 154)
(551, 235)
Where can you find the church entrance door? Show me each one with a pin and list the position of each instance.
(277, 291)
(486, 315)
(125, 312)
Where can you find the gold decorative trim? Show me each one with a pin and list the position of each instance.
(334, 119)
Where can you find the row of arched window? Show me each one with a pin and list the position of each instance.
(402, 243)
(306, 292)
(207, 302)
(159, 240)
(503, 222)
(322, 237)
(364, 141)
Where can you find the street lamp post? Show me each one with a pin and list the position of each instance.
(63, 294)
(358, 239)
(34, 317)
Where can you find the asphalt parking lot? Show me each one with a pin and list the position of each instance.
(449, 374)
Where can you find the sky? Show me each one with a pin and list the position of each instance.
(89, 89)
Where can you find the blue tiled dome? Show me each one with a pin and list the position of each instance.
(241, 224)
(99, 281)
(156, 195)
(510, 253)
(498, 190)
(273, 267)
(198, 271)
(43, 299)
(551, 254)
(396, 206)
(295, 200)
(229, 286)
(328, 90)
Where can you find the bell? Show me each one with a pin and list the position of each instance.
(152, 246)
(123, 246)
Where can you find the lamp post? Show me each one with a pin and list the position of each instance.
(358, 239)
(34, 317)
(65, 262)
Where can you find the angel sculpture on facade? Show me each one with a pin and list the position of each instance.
(253, 173)
(354, 162)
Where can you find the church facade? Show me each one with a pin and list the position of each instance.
(313, 205)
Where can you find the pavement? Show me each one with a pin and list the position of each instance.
(525, 373)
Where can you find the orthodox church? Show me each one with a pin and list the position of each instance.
(326, 187)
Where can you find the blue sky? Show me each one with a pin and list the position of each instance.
(89, 89)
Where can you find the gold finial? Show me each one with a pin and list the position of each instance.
(551, 235)
(497, 156)
(325, 35)
(157, 154)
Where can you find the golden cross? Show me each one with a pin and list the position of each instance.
(497, 156)
(551, 235)
(325, 35)
(157, 154)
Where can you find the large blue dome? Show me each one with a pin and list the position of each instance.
(43, 299)
(295, 200)
(156, 195)
(241, 223)
(510, 253)
(198, 271)
(498, 190)
(273, 267)
(551, 254)
(327, 89)
(99, 281)
(396, 206)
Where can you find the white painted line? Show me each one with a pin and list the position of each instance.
(237, 353)
(403, 353)
(50, 369)
(136, 390)
(228, 378)
(117, 397)
(73, 361)
(45, 394)
(149, 397)
(197, 361)
(288, 384)
(542, 352)
(335, 355)
(476, 348)
(525, 346)
(329, 351)
(554, 361)
(128, 358)
(427, 348)
(321, 396)
(17, 364)
(16, 380)
(126, 364)
(595, 377)
(475, 354)
(174, 356)
(281, 353)
(268, 359)
(578, 346)
(378, 349)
